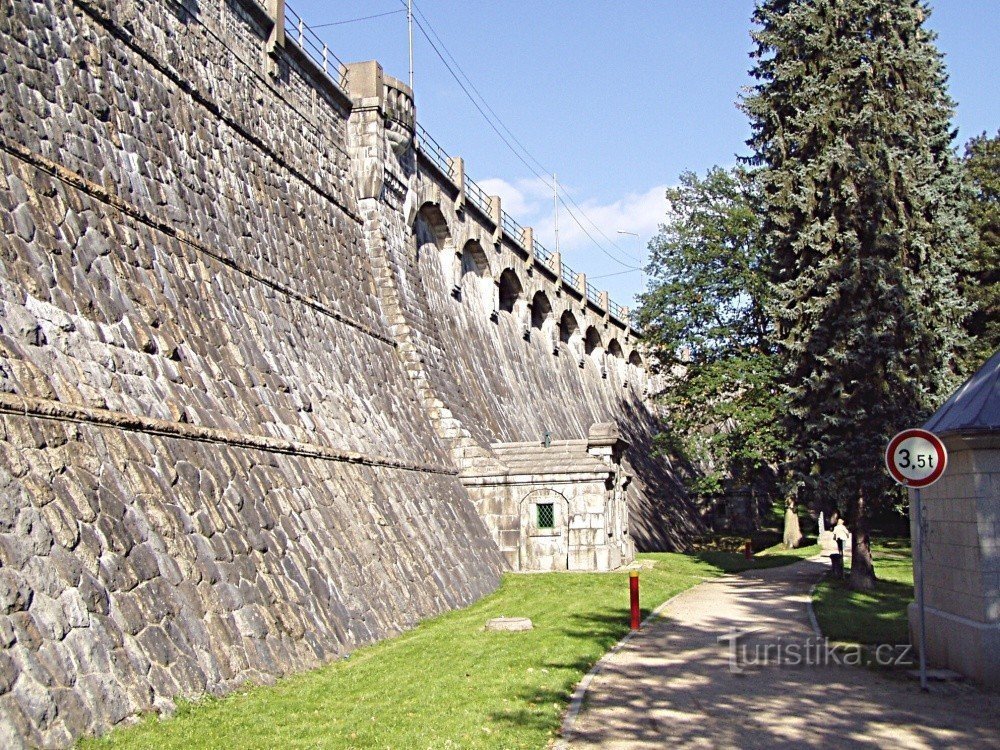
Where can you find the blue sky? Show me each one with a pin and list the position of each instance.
(617, 98)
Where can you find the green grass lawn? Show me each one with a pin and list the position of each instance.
(772, 557)
(868, 618)
(447, 683)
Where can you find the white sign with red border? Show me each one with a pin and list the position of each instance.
(916, 458)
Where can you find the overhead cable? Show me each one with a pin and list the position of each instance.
(355, 20)
(427, 31)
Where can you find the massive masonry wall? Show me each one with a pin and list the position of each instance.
(213, 468)
(504, 348)
(237, 384)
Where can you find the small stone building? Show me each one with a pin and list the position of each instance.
(556, 504)
(962, 534)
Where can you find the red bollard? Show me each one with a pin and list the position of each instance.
(747, 550)
(633, 591)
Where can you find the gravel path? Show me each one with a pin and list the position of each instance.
(674, 684)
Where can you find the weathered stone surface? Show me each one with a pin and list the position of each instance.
(509, 624)
(234, 394)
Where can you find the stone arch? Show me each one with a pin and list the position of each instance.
(430, 226)
(541, 311)
(635, 359)
(615, 349)
(511, 291)
(474, 260)
(476, 281)
(432, 236)
(569, 329)
(592, 342)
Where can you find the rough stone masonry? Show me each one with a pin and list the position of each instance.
(251, 335)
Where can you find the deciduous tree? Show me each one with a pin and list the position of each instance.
(705, 316)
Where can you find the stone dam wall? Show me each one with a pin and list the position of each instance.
(249, 336)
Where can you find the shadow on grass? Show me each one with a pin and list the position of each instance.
(733, 562)
(863, 617)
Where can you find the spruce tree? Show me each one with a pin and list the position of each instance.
(863, 216)
(982, 285)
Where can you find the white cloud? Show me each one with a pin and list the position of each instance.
(523, 200)
(641, 213)
(530, 203)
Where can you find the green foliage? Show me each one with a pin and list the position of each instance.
(705, 317)
(707, 288)
(982, 285)
(722, 415)
(863, 218)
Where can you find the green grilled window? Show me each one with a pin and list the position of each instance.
(546, 515)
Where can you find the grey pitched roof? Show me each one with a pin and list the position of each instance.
(975, 407)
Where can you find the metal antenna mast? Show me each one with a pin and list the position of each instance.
(555, 206)
(409, 28)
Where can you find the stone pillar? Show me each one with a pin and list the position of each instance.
(456, 165)
(602, 301)
(581, 281)
(495, 312)
(456, 274)
(557, 267)
(496, 214)
(276, 12)
(528, 240)
(365, 83)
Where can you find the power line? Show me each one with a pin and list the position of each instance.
(613, 243)
(616, 273)
(355, 20)
(482, 98)
(599, 245)
(517, 153)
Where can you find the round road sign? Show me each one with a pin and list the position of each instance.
(916, 458)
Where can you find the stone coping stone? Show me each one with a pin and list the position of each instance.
(509, 624)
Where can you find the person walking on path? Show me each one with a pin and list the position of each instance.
(840, 535)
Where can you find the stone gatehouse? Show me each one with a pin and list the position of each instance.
(556, 504)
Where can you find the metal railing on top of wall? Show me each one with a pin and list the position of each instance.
(333, 67)
(594, 294)
(315, 48)
(433, 150)
(478, 197)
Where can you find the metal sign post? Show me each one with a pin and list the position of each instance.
(919, 559)
(915, 459)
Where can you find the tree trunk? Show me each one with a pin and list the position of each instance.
(793, 534)
(862, 569)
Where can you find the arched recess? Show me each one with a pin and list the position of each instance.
(477, 281)
(592, 342)
(615, 349)
(541, 311)
(432, 235)
(569, 329)
(544, 523)
(430, 227)
(511, 291)
(635, 359)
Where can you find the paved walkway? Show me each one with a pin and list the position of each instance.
(672, 685)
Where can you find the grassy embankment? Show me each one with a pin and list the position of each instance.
(447, 682)
(870, 618)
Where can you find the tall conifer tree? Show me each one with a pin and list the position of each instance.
(862, 198)
(982, 284)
